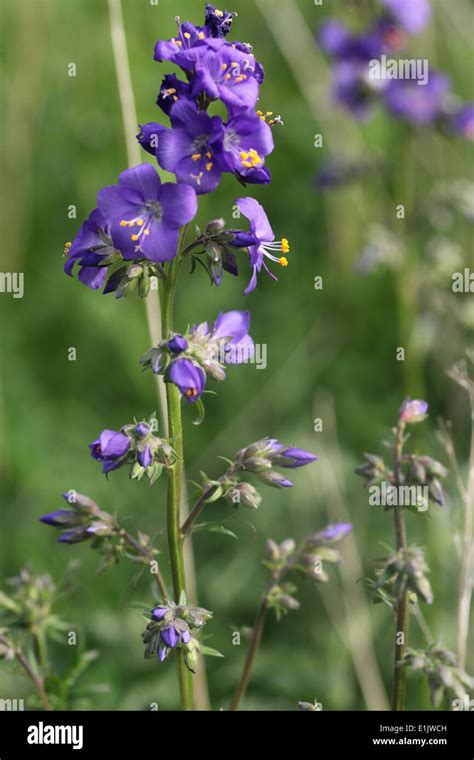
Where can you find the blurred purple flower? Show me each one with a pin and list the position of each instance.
(413, 410)
(412, 15)
(417, 103)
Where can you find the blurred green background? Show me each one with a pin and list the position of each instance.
(331, 352)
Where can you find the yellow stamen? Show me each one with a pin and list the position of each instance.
(250, 158)
(139, 222)
(209, 166)
(134, 237)
(196, 156)
(201, 35)
(285, 246)
(123, 223)
(187, 35)
(283, 261)
(224, 66)
(147, 232)
(228, 76)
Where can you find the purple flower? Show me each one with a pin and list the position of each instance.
(177, 344)
(330, 535)
(170, 636)
(184, 49)
(247, 140)
(142, 429)
(148, 136)
(74, 536)
(145, 215)
(158, 613)
(218, 22)
(110, 448)
(340, 44)
(418, 103)
(232, 328)
(228, 74)
(62, 518)
(463, 121)
(189, 378)
(172, 89)
(145, 457)
(90, 246)
(413, 410)
(260, 241)
(412, 15)
(350, 88)
(296, 458)
(188, 149)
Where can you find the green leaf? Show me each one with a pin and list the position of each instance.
(209, 651)
(214, 528)
(201, 412)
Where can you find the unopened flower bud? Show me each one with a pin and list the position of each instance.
(275, 479)
(412, 411)
(244, 494)
(215, 226)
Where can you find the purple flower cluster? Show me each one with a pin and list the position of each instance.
(416, 100)
(186, 360)
(82, 521)
(262, 456)
(174, 626)
(135, 445)
(136, 224)
(199, 148)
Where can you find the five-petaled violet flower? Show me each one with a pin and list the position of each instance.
(146, 216)
(188, 148)
(228, 74)
(247, 140)
(413, 410)
(110, 448)
(260, 240)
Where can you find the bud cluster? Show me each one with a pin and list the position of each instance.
(426, 471)
(175, 626)
(307, 558)
(406, 570)
(439, 665)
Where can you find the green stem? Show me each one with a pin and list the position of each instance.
(402, 604)
(40, 649)
(251, 653)
(175, 475)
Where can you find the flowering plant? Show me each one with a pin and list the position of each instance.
(136, 240)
